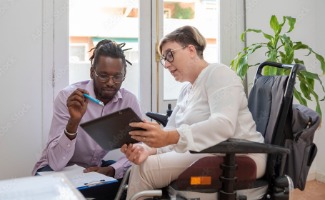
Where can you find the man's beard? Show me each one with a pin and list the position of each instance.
(100, 94)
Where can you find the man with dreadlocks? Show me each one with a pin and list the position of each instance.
(68, 143)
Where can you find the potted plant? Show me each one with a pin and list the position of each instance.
(280, 48)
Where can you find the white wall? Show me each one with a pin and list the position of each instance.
(320, 47)
(231, 27)
(21, 75)
(31, 61)
(309, 29)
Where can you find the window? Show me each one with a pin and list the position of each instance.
(121, 21)
(78, 53)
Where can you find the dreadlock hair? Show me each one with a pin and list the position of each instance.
(108, 48)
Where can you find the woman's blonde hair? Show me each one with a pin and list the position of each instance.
(185, 36)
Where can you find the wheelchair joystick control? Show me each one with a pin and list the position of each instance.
(161, 118)
(169, 110)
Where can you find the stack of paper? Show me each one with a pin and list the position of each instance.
(80, 179)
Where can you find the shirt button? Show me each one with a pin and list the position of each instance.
(64, 157)
(68, 145)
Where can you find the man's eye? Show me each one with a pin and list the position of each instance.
(103, 76)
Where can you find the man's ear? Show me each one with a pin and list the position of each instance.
(124, 71)
(92, 74)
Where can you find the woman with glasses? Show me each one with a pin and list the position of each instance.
(211, 108)
(68, 143)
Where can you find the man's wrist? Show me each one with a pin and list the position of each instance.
(111, 171)
(70, 134)
(71, 127)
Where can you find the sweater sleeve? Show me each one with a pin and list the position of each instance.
(60, 148)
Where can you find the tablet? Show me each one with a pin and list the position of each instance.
(112, 131)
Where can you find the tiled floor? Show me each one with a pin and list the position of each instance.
(314, 190)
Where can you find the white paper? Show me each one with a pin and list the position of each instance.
(79, 179)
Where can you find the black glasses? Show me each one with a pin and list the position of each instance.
(119, 78)
(169, 57)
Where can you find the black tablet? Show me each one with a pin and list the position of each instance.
(112, 131)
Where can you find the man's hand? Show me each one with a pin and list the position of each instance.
(77, 104)
(108, 171)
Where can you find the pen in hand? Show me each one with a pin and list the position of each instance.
(93, 99)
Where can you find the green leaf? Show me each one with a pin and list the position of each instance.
(266, 71)
(234, 62)
(269, 37)
(270, 45)
(237, 63)
(299, 97)
(309, 75)
(274, 24)
(251, 49)
(305, 90)
(300, 45)
(242, 66)
(313, 76)
(321, 60)
(298, 61)
(318, 110)
(288, 47)
(292, 22)
(269, 71)
(283, 56)
(284, 21)
(272, 55)
(242, 37)
(256, 64)
(311, 82)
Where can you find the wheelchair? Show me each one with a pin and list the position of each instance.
(269, 102)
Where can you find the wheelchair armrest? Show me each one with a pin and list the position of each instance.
(160, 118)
(244, 146)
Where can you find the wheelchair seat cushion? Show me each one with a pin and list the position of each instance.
(209, 167)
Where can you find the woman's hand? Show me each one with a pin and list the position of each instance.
(108, 171)
(135, 153)
(153, 135)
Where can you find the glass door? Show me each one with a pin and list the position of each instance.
(140, 24)
(204, 15)
(93, 20)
